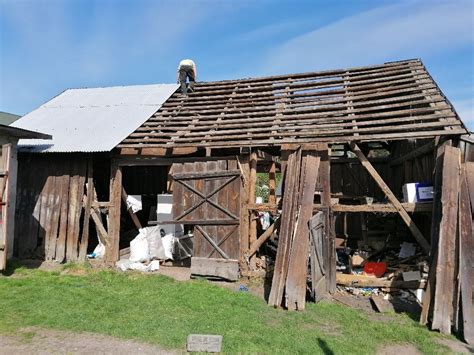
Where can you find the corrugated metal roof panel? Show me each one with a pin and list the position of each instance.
(92, 119)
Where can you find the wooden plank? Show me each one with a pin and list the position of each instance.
(65, 182)
(368, 281)
(289, 210)
(233, 197)
(442, 314)
(298, 266)
(206, 174)
(244, 164)
(252, 199)
(470, 180)
(101, 231)
(52, 232)
(272, 184)
(177, 208)
(5, 193)
(211, 213)
(329, 254)
(10, 190)
(263, 238)
(391, 197)
(71, 250)
(318, 247)
(402, 135)
(466, 260)
(78, 208)
(381, 304)
(420, 207)
(87, 211)
(215, 268)
(132, 214)
(428, 296)
(112, 248)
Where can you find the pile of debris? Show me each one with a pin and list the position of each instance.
(383, 275)
(153, 245)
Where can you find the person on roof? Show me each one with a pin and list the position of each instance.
(186, 71)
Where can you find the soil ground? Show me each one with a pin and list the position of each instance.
(40, 341)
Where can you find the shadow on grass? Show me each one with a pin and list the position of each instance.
(324, 347)
(15, 264)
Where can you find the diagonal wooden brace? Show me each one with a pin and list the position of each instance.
(391, 197)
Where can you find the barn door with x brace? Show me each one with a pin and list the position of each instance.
(207, 196)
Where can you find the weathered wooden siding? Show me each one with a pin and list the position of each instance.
(49, 211)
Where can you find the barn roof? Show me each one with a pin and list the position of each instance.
(92, 119)
(394, 100)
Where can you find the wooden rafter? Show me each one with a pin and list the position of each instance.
(391, 101)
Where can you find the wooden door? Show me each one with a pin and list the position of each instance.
(206, 195)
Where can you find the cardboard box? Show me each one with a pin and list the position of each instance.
(417, 192)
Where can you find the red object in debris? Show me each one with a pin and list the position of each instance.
(376, 269)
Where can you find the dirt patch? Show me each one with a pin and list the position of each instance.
(47, 341)
(397, 349)
(456, 346)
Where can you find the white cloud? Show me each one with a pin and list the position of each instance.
(390, 32)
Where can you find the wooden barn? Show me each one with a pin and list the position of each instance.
(345, 142)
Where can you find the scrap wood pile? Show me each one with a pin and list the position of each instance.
(448, 300)
(393, 276)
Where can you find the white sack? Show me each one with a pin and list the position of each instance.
(139, 251)
(155, 244)
(168, 245)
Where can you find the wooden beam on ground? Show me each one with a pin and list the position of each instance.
(369, 281)
(391, 197)
(424, 149)
(132, 214)
(443, 302)
(263, 238)
(112, 249)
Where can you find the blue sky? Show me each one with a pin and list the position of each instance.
(47, 46)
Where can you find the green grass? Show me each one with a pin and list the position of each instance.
(159, 310)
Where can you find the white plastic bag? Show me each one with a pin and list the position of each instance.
(98, 253)
(168, 245)
(139, 251)
(153, 266)
(155, 244)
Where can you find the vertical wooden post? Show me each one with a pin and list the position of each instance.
(7, 187)
(272, 184)
(113, 244)
(445, 270)
(243, 162)
(252, 199)
(330, 248)
(87, 211)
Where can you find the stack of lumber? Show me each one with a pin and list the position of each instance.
(291, 264)
(448, 300)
